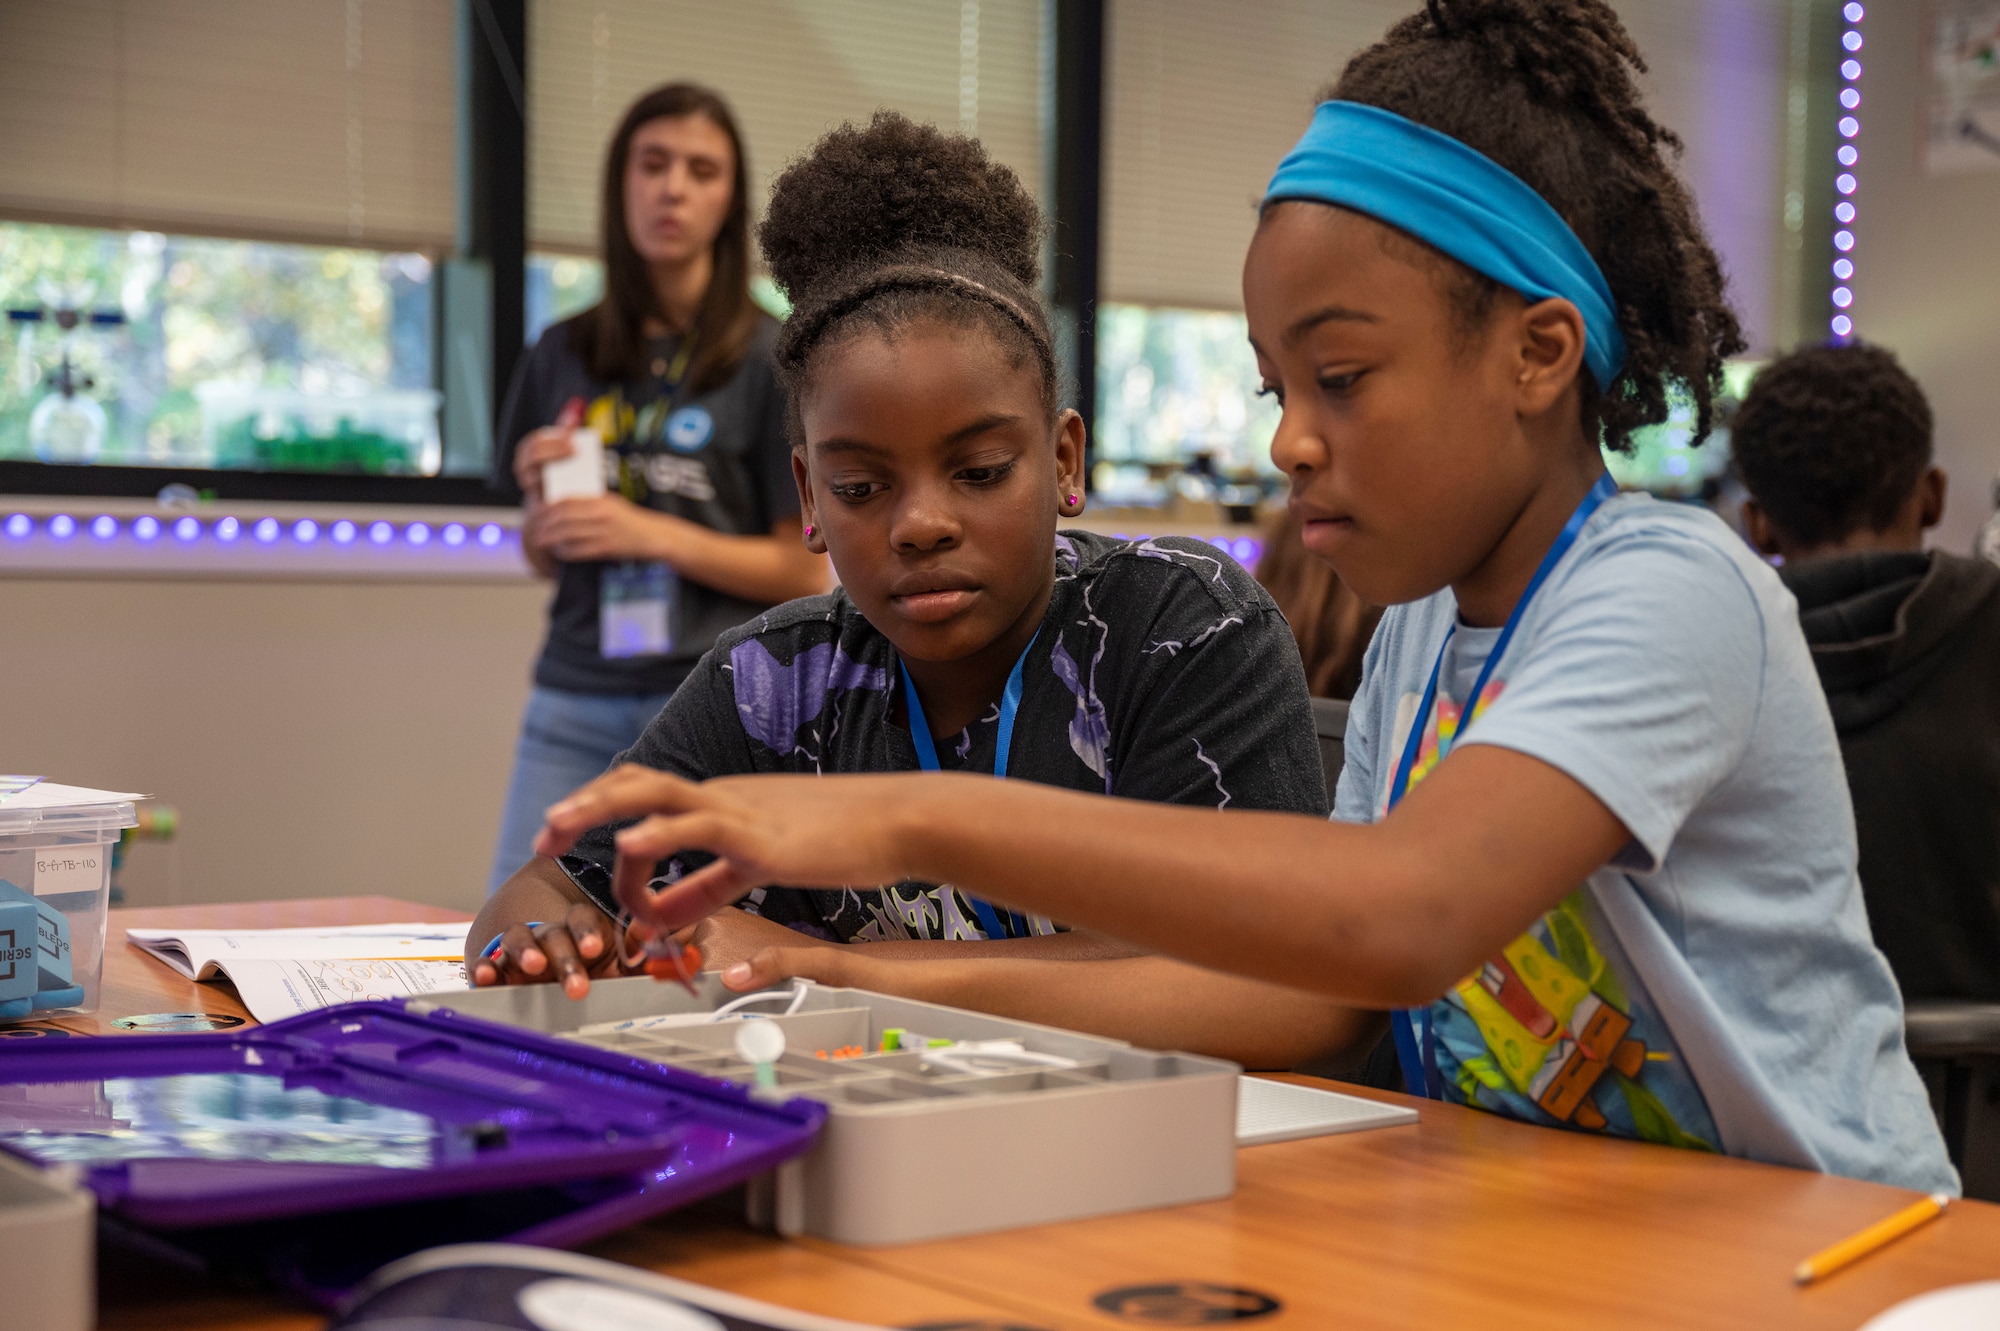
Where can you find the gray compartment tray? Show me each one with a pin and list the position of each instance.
(913, 1150)
(48, 1248)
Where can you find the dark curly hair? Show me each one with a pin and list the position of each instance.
(1830, 438)
(1545, 88)
(883, 227)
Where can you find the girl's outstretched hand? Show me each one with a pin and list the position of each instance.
(842, 967)
(801, 831)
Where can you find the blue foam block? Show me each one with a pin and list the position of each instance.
(18, 971)
(52, 998)
(52, 950)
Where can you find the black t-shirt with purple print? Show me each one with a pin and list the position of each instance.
(1162, 671)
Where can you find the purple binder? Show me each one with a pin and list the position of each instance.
(320, 1146)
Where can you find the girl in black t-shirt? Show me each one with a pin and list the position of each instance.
(933, 462)
(699, 528)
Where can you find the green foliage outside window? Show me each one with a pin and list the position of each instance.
(323, 323)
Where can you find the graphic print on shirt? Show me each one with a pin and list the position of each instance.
(1076, 667)
(791, 708)
(1554, 1028)
(641, 458)
(778, 702)
(800, 696)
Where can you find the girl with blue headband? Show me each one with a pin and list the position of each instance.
(1593, 850)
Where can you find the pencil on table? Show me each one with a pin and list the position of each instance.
(1880, 1234)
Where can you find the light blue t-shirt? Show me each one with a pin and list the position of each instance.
(1715, 985)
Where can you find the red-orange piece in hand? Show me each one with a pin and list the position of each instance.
(681, 970)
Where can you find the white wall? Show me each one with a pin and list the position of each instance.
(1927, 263)
(318, 738)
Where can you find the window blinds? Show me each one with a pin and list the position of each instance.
(1201, 101)
(325, 121)
(791, 69)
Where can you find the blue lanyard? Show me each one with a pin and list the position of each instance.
(1418, 1054)
(920, 735)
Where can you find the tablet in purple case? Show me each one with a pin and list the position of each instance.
(327, 1143)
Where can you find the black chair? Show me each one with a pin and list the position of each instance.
(1330, 723)
(1956, 1046)
(1377, 1065)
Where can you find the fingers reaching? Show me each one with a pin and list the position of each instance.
(700, 894)
(627, 791)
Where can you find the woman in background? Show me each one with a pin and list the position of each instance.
(698, 529)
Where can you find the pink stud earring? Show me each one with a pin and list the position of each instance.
(809, 532)
(1074, 501)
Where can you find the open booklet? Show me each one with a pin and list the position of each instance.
(283, 972)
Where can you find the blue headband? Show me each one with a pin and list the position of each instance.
(1458, 200)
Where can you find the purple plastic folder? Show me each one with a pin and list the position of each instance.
(319, 1147)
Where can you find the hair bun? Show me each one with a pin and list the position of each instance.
(1564, 50)
(895, 188)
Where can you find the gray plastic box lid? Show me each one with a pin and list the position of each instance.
(909, 1152)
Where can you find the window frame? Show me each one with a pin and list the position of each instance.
(26, 476)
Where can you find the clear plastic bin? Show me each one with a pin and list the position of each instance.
(55, 886)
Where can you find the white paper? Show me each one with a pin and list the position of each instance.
(202, 954)
(11, 786)
(273, 989)
(49, 795)
(581, 474)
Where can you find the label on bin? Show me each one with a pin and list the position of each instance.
(60, 869)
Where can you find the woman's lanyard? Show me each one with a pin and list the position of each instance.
(672, 374)
(920, 735)
(630, 451)
(1418, 1052)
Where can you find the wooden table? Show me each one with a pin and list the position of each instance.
(1462, 1220)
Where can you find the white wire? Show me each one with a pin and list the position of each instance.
(967, 1055)
(797, 997)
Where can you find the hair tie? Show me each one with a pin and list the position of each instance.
(1461, 202)
(808, 326)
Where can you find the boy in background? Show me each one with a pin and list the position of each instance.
(1834, 443)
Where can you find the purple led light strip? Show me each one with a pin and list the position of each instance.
(1849, 156)
(188, 529)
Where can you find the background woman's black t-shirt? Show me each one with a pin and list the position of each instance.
(1162, 671)
(737, 479)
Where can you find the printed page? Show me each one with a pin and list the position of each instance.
(275, 989)
(200, 953)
